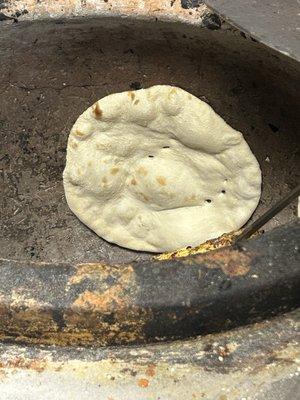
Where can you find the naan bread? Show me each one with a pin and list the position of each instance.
(157, 169)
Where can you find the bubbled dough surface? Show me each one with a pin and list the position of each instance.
(159, 203)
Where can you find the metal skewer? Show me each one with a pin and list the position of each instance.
(280, 205)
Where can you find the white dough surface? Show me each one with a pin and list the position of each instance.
(157, 169)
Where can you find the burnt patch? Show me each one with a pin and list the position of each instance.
(273, 127)
(191, 3)
(135, 85)
(24, 142)
(109, 318)
(4, 17)
(211, 21)
(19, 13)
(58, 318)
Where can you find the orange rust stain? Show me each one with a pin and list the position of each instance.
(236, 270)
(150, 371)
(96, 301)
(161, 180)
(131, 95)
(136, 102)
(114, 297)
(97, 111)
(232, 262)
(37, 365)
(96, 270)
(23, 363)
(143, 382)
(142, 171)
(114, 170)
(104, 179)
(133, 181)
(101, 271)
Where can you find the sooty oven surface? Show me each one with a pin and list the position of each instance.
(52, 71)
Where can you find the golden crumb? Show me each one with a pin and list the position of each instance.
(80, 134)
(97, 111)
(161, 180)
(142, 171)
(131, 95)
(143, 382)
(99, 146)
(114, 170)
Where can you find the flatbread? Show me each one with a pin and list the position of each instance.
(157, 169)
